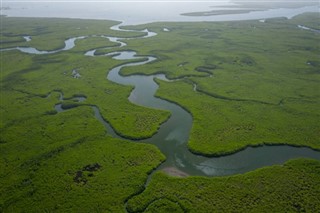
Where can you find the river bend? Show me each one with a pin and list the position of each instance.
(173, 135)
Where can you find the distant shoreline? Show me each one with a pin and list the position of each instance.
(220, 12)
(145, 13)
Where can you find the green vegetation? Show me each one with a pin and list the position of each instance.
(293, 187)
(91, 43)
(264, 87)
(48, 159)
(307, 19)
(223, 126)
(55, 30)
(41, 74)
(49, 167)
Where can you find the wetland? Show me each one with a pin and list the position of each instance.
(99, 117)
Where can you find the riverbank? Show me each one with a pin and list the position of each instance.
(87, 170)
(287, 188)
(255, 95)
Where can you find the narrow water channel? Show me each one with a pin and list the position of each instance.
(173, 135)
(68, 44)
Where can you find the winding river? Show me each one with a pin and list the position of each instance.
(173, 135)
(68, 44)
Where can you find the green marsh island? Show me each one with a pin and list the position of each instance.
(160, 117)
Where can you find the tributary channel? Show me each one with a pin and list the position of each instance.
(173, 135)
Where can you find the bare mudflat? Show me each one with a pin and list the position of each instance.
(172, 171)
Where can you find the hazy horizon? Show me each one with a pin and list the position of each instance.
(140, 12)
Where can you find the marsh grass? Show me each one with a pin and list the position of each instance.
(292, 187)
(43, 152)
(55, 30)
(257, 83)
(264, 89)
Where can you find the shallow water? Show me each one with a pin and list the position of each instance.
(309, 29)
(27, 38)
(141, 12)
